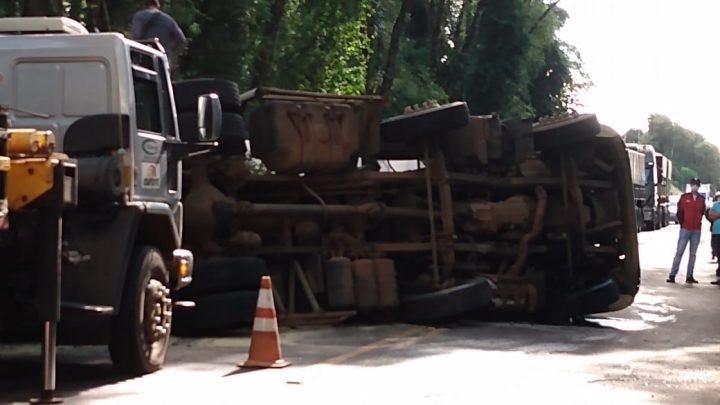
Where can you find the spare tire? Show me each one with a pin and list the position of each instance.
(187, 92)
(565, 131)
(217, 312)
(232, 134)
(419, 124)
(448, 303)
(225, 274)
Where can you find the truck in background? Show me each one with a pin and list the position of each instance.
(637, 171)
(663, 166)
(672, 208)
(655, 201)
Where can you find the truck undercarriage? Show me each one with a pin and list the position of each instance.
(488, 214)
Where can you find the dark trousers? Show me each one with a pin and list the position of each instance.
(715, 244)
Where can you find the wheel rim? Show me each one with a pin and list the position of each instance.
(157, 317)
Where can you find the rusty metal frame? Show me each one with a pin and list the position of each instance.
(272, 93)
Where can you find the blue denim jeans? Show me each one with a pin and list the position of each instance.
(686, 236)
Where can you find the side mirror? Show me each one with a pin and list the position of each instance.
(209, 117)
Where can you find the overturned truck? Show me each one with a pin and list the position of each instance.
(420, 217)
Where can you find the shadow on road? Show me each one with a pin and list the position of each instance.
(20, 377)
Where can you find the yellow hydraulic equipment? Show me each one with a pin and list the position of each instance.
(35, 178)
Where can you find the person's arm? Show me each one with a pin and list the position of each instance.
(179, 37)
(680, 211)
(713, 214)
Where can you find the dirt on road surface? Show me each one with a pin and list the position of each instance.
(665, 349)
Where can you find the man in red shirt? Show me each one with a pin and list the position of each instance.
(690, 212)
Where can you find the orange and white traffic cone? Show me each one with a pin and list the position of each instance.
(265, 339)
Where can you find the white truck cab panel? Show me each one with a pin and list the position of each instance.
(50, 81)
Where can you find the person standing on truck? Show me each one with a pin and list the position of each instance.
(690, 212)
(151, 22)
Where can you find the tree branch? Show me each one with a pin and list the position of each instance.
(270, 33)
(436, 32)
(393, 49)
(457, 83)
(544, 14)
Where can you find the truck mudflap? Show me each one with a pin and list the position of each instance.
(448, 303)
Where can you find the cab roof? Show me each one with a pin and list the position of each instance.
(39, 25)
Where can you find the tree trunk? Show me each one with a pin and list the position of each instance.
(76, 9)
(393, 49)
(437, 14)
(267, 47)
(41, 8)
(457, 81)
(106, 16)
(456, 35)
(92, 12)
(376, 48)
(11, 9)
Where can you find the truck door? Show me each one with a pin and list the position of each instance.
(156, 178)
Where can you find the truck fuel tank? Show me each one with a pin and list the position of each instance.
(295, 137)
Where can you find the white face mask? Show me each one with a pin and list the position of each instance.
(694, 188)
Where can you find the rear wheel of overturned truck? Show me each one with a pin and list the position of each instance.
(448, 303)
(141, 330)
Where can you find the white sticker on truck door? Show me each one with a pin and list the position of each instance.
(151, 175)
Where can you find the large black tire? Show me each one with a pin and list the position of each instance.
(225, 274)
(592, 300)
(595, 299)
(565, 132)
(217, 312)
(141, 329)
(420, 124)
(232, 134)
(446, 304)
(233, 126)
(187, 92)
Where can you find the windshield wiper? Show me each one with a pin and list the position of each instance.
(34, 114)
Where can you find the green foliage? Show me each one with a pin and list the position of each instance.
(222, 39)
(691, 153)
(511, 62)
(323, 47)
(498, 55)
(413, 86)
(633, 135)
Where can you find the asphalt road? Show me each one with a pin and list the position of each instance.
(665, 349)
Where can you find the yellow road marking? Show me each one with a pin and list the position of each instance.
(405, 339)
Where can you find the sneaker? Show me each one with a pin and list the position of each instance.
(691, 281)
(670, 279)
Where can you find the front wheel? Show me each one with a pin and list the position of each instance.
(141, 330)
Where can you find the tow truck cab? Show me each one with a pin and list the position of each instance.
(109, 103)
